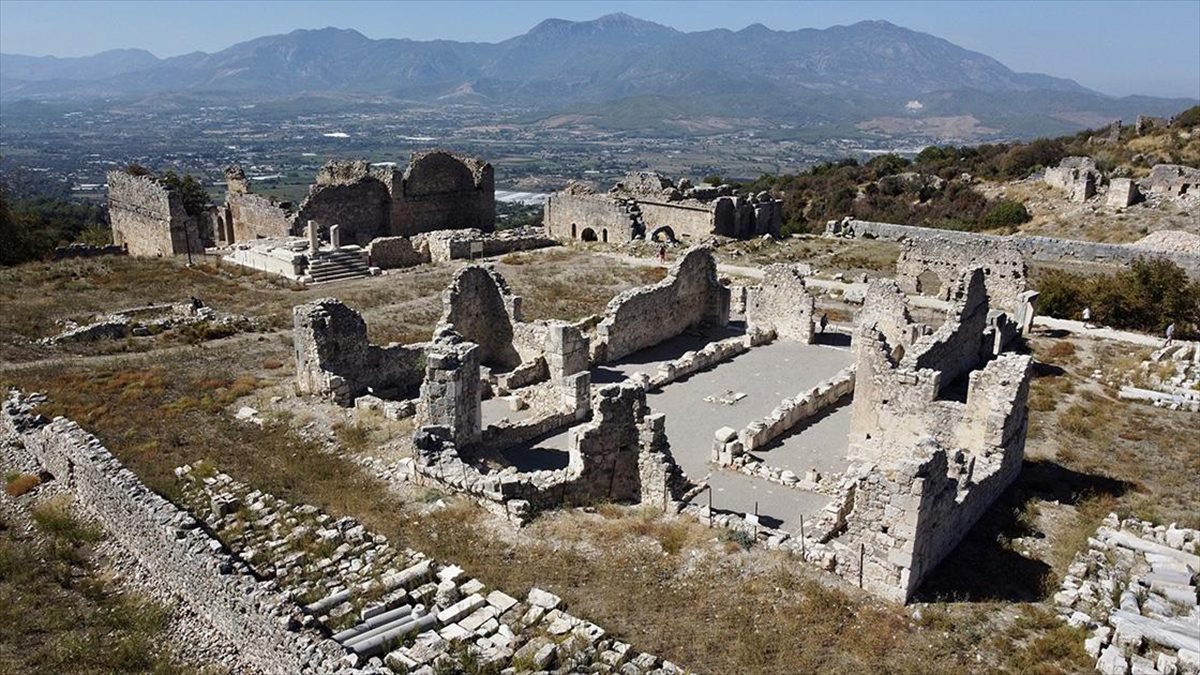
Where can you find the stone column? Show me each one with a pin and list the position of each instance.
(314, 243)
(335, 236)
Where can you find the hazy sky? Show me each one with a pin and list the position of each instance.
(1115, 47)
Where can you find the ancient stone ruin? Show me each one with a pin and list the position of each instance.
(932, 266)
(148, 219)
(690, 295)
(438, 190)
(648, 205)
(1076, 175)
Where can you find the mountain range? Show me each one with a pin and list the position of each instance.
(623, 72)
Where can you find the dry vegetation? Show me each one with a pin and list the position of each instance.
(58, 611)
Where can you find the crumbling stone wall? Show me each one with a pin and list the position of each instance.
(1173, 180)
(246, 216)
(450, 392)
(908, 514)
(480, 307)
(349, 195)
(258, 621)
(925, 465)
(1076, 175)
(578, 215)
(781, 304)
(690, 295)
(148, 219)
(1005, 273)
(620, 455)
(1122, 192)
(441, 190)
(334, 358)
(1033, 248)
(396, 252)
(648, 204)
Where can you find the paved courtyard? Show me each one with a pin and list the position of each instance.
(766, 375)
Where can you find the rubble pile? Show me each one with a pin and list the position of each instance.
(393, 608)
(1134, 588)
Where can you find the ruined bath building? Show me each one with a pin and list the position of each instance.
(648, 205)
(437, 191)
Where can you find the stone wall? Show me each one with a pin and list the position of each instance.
(1122, 192)
(576, 216)
(1076, 175)
(690, 295)
(1033, 248)
(148, 219)
(620, 455)
(441, 190)
(480, 307)
(1173, 180)
(358, 202)
(249, 216)
(450, 391)
(335, 360)
(781, 304)
(933, 266)
(254, 617)
(648, 204)
(396, 252)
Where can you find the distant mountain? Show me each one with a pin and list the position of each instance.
(623, 72)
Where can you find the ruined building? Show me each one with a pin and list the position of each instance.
(148, 219)
(1076, 175)
(932, 266)
(438, 190)
(937, 434)
(647, 205)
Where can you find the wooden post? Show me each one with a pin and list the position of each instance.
(802, 555)
(862, 553)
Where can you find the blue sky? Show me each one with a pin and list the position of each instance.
(1115, 47)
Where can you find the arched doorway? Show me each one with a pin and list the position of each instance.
(928, 283)
(663, 233)
(588, 234)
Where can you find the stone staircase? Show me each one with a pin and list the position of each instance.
(336, 265)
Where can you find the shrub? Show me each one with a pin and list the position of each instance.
(1147, 296)
(1006, 213)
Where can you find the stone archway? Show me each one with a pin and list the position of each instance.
(588, 234)
(663, 233)
(929, 283)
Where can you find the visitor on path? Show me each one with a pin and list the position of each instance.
(1087, 317)
(662, 254)
(823, 322)
(1170, 335)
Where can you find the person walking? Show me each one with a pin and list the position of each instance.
(823, 322)
(662, 254)
(1087, 317)
(1170, 334)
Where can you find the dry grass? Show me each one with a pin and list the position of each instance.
(21, 484)
(59, 613)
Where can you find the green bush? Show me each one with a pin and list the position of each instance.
(1147, 296)
(1006, 213)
